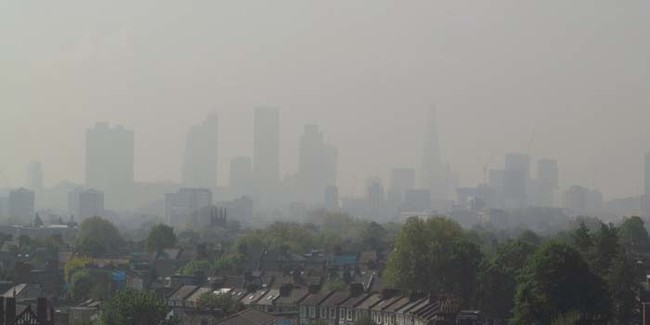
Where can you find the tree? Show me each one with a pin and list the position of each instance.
(161, 236)
(498, 278)
(134, 307)
(633, 234)
(422, 256)
(465, 258)
(98, 236)
(557, 282)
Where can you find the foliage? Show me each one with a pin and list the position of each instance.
(75, 263)
(633, 234)
(134, 307)
(160, 237)
(334, 284)
(430, 256)
(97, 236)
(558, 281)
(194, 266)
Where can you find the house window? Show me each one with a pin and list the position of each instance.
(332, 313)
(303, 311)
(349, 314)
(312, 312)
(323, 313)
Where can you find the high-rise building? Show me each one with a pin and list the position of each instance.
(376, 200)
(331, 199)
(515, 180)
(578, 200)
(109, 163)
(317, 165)
(182, 206)
(433, 175)
(35, 176)
(266, 151)
(21, 204)
(401, 180)
(84, 204)
(546, 184)
(200, 156)
(241, 175)
(646, 196)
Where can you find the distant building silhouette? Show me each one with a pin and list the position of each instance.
(516, 179)
(317, 165)
(180, 206)
(35, 180)
(109, 163)
(331, 198)
(578, 200)
(201, 155)
(543, 193)
(21, 204)
(86, 203)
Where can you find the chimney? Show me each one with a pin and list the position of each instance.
(2, 310)
(10, 310)
(285, 290)
(41, 310)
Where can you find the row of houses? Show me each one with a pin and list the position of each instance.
(307, 306)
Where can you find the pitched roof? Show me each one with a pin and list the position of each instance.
(296, 295)
(183, 292)
(248, 317)
(335, 299)
(253, 297)
(370, 302)
(316, 298)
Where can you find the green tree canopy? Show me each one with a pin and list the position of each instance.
(557, 282)
(160, 237)
(223, 302)
(98, 236)
(634, 235)
(134, 307)
(426, 257)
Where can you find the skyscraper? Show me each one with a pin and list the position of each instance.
(266, 151)
(317, 165)
(21, 204)
(646, 196)
(200, 156)
(515, 180)
(109, 163)
(84, 204)
(432, 174)
(184, 205)
(547, 182)
(241, 175)
(35, 176)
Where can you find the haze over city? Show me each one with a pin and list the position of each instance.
(573, 76)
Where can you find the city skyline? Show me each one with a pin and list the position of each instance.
(493, 84)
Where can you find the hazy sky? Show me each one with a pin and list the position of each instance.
(576, 72)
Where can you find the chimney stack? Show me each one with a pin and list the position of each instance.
(41, 310)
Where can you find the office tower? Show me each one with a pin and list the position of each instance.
(376, 199)
(184, 205)
(241, 175)
(433, 175)
(21, 204)
(317, 165)
(546, 183)
(35, 176)
(109, 163)
(84, 204)
(401, 180)
(200, 156)
(515, 180)
(266, 151)
(580, 200)
(331, 200)
(646, 196)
